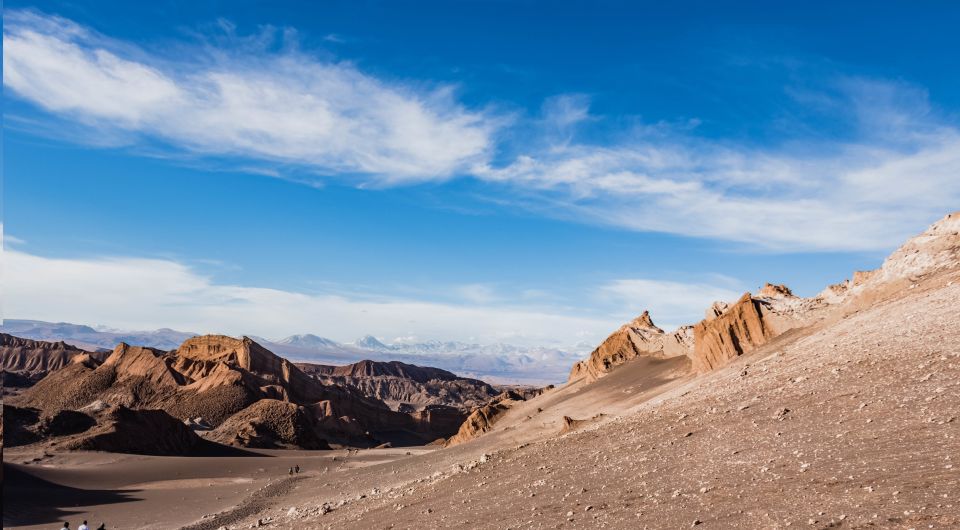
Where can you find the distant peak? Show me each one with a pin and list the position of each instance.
(643, 321)
(770, 290)
(370, 342)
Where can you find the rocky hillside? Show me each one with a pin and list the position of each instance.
(730, 330)
(211, 379)
(26, 361)
(483, 418)
(834, 411)
(405, 387)
(102, 427)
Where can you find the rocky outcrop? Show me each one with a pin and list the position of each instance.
(738, 330)
(271, 424)
(638, 338)
(119, 429)
(30, 360)
(223, 379)
(101, 427)
(404, 386)
(935, 250)
(483, 418)
(770, 290)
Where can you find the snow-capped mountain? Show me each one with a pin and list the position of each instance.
(308, 341)
(369, 342)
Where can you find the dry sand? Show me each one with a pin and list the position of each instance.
(134, 491)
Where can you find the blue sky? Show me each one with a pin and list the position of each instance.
(485, 171)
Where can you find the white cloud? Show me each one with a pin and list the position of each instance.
(895, 173)
(134, 293)
(282, 107)
(671, 304)
(137, 293)
(899, 173)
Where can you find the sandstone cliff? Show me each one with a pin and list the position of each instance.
(640, 337)
(736, 331)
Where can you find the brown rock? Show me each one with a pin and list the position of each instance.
(737, 331)
(638, 338)
(483, 418)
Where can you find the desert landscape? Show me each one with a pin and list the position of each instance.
(480, 265)
(835, 411)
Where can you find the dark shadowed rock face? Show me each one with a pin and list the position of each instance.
(271, 424)
(122, 430)
(102, 427)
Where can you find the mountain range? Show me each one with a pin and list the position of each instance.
(497, 363)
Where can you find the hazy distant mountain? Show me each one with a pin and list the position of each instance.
(369, 342)
(498, 362)
(88, 338)
(308, 341)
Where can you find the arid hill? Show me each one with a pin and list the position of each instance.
(26, 361)
(209, 379)
(102, 427)
(731, 329)
(406, 387)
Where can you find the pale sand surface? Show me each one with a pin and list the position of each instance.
(133, 491)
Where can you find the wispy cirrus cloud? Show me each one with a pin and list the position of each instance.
(284, 107)
(896, 172)
(893, 173)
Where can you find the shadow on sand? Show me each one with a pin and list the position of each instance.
(29, 500)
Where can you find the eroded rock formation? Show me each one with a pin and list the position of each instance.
(406, 387)
(736, 331)
(482, 418)
(640, 337)
(210, 379)
(26, 361)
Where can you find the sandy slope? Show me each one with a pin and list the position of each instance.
(855, 424)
